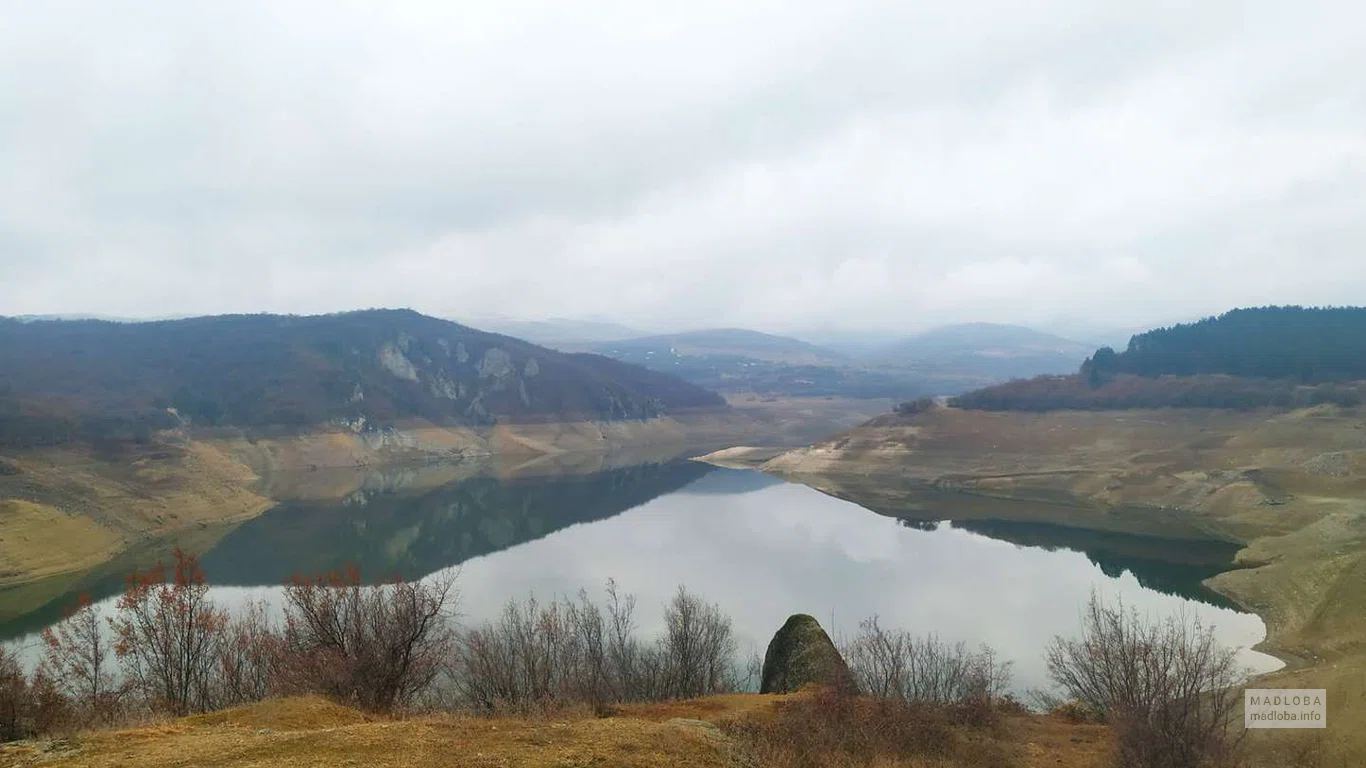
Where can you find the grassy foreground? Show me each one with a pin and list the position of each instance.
(699, 733)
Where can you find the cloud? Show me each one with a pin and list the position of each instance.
(777, 165)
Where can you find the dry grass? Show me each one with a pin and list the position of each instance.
(310, 732)
(38, 540)
(71, 509)
(322, 735)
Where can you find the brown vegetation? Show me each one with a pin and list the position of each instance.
(169, 636)
(701, 733)
(78, 660)
(373, 646)
(542, 657)
(896, 665)
(1168, 687)
(827, 727)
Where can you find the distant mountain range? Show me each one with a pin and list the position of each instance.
(64, 380)
(725, 342)
(945, 360)
(738, 360)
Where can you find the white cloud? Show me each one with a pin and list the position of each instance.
(778, 165)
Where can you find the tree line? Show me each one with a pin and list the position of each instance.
(1050, 393)
(1303, 344)
(1283, 357)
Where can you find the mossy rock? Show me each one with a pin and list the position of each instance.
(802, 653)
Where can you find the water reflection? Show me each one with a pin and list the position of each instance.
(388, 531)
(759, 547)
(785, 548)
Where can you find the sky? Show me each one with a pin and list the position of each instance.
(776, 165)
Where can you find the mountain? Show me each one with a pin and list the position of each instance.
(724, 342)
(64, 380)
(985, 350)
(558, 332)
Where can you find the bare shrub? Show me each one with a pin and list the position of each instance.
(834, 728)
(540, 656)
(248, 658)
(894, 664)
(1168, 687)
(518, 661)
(13, 698)
(79, 660)
(543, 656)
(168, 637)
(699, 646)
(372, 646)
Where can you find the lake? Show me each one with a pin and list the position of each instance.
(760, 547)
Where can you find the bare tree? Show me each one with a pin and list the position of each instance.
(168, 636)
(50, 711)
(528, 658)
(249, 657)
(13, 698)
(79, 658)
(699, 646)
(1168, 687)
(374, 646)
(536, 656)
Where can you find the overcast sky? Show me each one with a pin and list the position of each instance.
(773, 164)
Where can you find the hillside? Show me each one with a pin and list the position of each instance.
(1308, 345)
(65, 380)
(986, 350)
(1286, 357)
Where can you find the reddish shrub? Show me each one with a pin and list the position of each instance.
(169, 637)
(375, 647)
(78, 662)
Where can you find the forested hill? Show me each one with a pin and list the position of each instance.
(1246, 358)
(65, 380)
(1308, 345)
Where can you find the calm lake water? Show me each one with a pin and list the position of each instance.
(760, 547)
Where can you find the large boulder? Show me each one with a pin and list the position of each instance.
(801, 653)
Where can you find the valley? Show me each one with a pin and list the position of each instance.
(531, 470)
